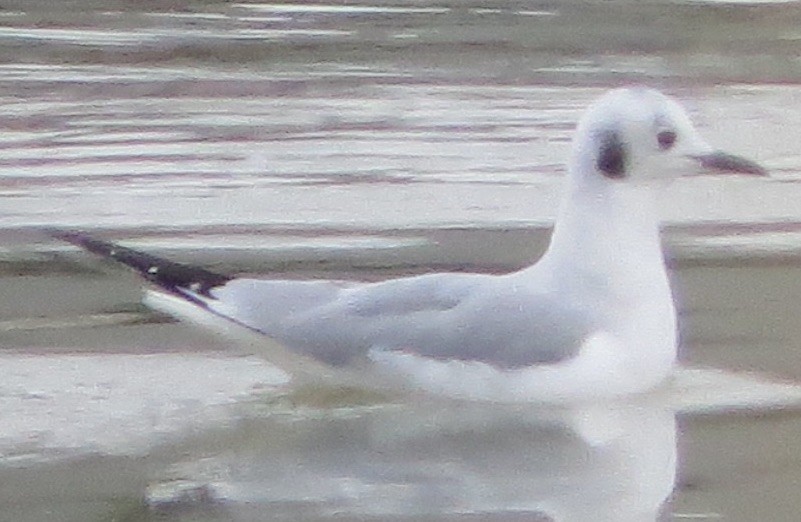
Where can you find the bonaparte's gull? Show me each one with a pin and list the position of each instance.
(594, 317)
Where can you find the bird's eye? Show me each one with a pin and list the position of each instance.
(666, 139)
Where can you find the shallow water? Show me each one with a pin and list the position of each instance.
(367, 140)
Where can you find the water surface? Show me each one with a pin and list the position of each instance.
(366, 140)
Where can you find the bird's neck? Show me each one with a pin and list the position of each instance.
(608, 231)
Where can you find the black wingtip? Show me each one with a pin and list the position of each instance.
(86, 242)
(163, 272)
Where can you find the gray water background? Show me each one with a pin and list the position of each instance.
(360, 139)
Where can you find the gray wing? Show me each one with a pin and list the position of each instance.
(517, 329)
(266, 305)
(336, 321)
(445, 316)
(501, 320)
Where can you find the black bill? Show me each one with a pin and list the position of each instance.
(724, 162)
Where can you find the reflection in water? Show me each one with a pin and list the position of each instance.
(142, 437)
(251, 114)
(601, 463)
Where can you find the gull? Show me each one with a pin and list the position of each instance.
(593, 318)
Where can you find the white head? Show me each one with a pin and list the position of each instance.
(639, 135)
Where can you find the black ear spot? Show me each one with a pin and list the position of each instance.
(612, 156)
(666, 139)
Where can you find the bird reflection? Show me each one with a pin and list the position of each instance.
(453, 460)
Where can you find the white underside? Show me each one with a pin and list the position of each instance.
(599, 371)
